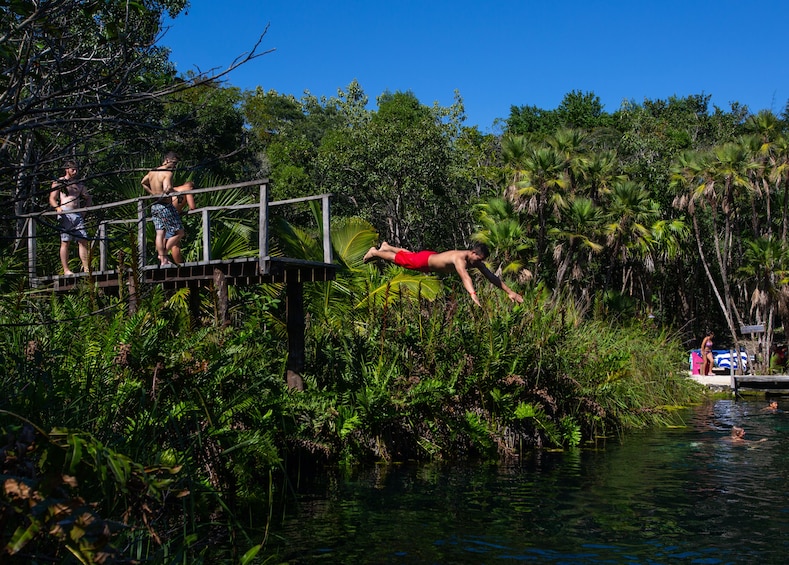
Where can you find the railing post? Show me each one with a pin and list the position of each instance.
(31, 248)
(206, 236)
(734, 360)
(141, 233)
(327, 251)
(263, 228)
(102, 246)
(732, 378)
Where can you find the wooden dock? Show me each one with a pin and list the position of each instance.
(765, 383)
(776, 384)
(259, 268)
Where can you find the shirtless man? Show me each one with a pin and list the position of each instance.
(182, 202)
(65, 197)
(169, 229)
(457, 260)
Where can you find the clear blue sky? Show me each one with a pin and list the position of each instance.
(499, 53)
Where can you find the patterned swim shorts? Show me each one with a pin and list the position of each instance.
(166, 218)
(72, 227)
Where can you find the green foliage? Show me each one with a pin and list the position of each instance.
(588, 212)
(58, 485)
(400, 366)
(393, 170)
(208, 130)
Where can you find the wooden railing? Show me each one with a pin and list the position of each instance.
(262, 205)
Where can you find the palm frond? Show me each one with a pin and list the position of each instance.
(403, 285)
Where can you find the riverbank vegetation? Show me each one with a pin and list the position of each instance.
(149, 433)
(146, 433)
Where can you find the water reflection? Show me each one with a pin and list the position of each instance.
(666, 496)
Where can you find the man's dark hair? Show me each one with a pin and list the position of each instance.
(171, 156)
(481, 249)
(61, 183)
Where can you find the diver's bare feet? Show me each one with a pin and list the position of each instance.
(370, 255)
(67, 273)
(386, 247)
(164, 261)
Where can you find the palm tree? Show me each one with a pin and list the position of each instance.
(514, 149)
(504, 234)
(630, 215)
(598, 170)
(542, 191)
(570, 143)
(713, 184)
(779, 175)
(576, 240)
(765, 125)
(766, 263)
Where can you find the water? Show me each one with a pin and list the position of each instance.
(665, 496)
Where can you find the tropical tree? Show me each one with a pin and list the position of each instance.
(81, 81)
(572, 145)
(598, 170)
(712, 188)
(514, 149)
(630, 215)
(289, 132)
(395, 171)
(779, 176)
(208, 131)
(542, 193)
(505, 236)
(765, 264)
(576, 239)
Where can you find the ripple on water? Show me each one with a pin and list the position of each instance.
(664, 496)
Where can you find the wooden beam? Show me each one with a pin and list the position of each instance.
(294, 306)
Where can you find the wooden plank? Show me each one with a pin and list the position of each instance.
(762, 378)
(760, 382)
(238, 271)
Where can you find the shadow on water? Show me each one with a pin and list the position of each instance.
(687, 495)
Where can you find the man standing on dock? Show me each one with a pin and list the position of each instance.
(65, 197)
(166, 220)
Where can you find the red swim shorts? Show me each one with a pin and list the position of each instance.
(416, 261)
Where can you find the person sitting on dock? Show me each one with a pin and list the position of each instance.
(169, 228)
(456, 260)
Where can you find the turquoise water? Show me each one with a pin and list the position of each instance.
(665, 496)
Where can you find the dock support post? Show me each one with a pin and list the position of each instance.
(326, 220)
(31, 250)
(194, 302)
(732, 379)
(294, 306)
(132, 283)
(220, 287)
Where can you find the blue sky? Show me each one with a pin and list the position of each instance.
(497, 54)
